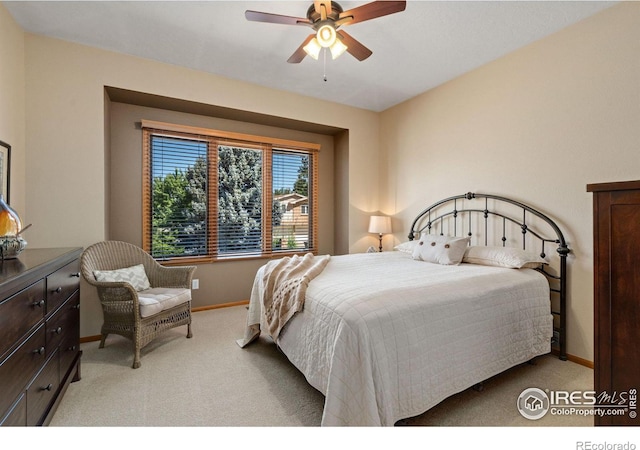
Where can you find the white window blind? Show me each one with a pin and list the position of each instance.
(211, 195)
(179, 197)
(291, 196)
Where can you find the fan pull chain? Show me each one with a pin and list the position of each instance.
(324, 63)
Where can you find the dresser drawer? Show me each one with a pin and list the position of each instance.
(20, 313)
(62, 323)
(42, 391)
(61, 284)
(17, 415)
(70, 341)
(20, 367)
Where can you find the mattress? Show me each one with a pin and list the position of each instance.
(385, 337)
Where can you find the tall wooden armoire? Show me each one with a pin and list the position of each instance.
(616, 232)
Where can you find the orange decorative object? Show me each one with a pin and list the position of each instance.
(10, 222)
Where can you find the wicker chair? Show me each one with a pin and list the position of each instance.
(121, 303)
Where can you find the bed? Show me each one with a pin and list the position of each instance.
(387, 336)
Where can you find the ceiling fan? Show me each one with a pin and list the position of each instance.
(326, 18)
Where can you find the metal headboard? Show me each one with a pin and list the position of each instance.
(453, 214)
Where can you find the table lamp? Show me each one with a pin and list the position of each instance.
(380, 225)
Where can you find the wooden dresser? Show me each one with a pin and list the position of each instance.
(40, 333)
(616, 228)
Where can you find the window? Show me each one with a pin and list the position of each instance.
(205, 192)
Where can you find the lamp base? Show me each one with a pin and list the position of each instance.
(380, 240)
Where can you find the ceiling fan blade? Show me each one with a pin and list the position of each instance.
(370, 11)
(299, 54)
(354, 47)
(257, 16)
(322, 8)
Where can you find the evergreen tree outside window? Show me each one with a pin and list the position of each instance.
(239, 200)
(205, 191)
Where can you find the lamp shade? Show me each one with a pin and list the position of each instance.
(380, 224)
(326, 36)
(337, 49)
(313, 48)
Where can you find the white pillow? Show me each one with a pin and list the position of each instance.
(134, 275)
(510, 257)
(444, 250)
(406, 247)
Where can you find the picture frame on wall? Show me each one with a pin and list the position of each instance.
(5, 169)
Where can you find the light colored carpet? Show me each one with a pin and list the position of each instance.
(208, 381)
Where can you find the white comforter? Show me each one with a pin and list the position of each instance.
(385, 337)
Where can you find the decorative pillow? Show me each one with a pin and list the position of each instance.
(406, 247)
(134, 275)
(444, 250)
(510, 257)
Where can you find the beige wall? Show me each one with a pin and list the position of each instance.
(66, 116)
(537, 125)
(12, 106)
(223, 281)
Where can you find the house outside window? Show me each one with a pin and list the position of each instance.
(291, 230)
(205, 191)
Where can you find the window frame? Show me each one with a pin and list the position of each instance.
(215, 138)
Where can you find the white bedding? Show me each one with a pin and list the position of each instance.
(385, 337)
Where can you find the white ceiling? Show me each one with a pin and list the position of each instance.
(428, 44)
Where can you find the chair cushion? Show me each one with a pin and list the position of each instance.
(155, 300)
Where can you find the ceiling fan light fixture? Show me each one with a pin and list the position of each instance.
(326, 18)
(337, 49)
(313, 48)
(326, 35)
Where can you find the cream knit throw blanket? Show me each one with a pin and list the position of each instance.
(285, 283)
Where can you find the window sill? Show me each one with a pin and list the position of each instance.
(198, 260)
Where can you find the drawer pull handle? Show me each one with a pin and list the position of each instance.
(39, 304)
(58, 290)
(77, 274)
(48, 387)
(39, 351)
(76, 306)
(72, 348)
(58, 330)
